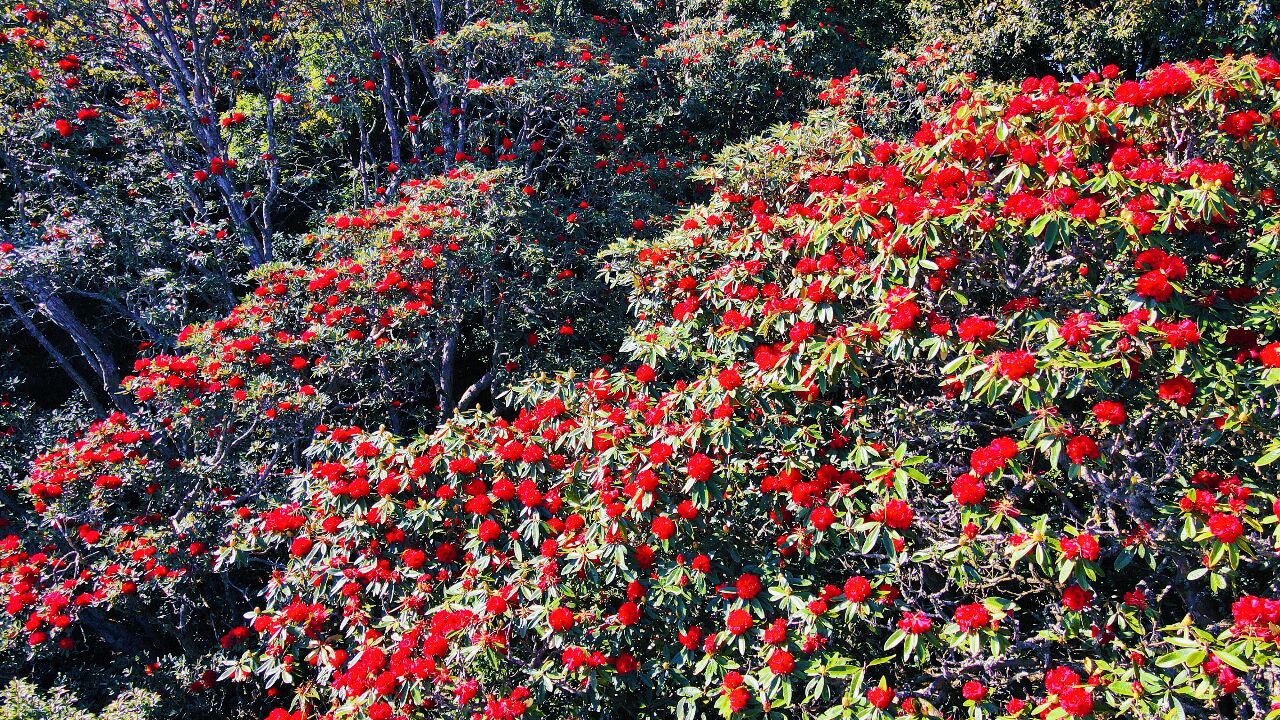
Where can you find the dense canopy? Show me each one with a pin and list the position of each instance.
(541, 362)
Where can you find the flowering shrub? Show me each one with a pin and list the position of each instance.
(390, 299)
(951, 399)
(974, 421)
(137, 196)
(163, 158)
(131, 508)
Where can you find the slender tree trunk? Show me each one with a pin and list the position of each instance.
(273, 178)
(444, 101)
(361, 163)
(62, 360)
(448, 367)
(94, 352)
(385, 91)
(117, 636)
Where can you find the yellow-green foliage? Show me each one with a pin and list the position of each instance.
(21, 700)
(1012, 38)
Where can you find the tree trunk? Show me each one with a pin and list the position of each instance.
(448, 363)
(117, 636)
(62, 360)
(95, 353)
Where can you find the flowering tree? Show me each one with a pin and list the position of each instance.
(950, 399)
(975, 421)
(156, 151)
(386, 304)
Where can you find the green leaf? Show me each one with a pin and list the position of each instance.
(1232, 660)
(1272, 454)
(1186, 657)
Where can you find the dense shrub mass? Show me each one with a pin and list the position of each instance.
(950, 397)
(1015, 38)
(978, 422)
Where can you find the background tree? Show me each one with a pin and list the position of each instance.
(1065, 37)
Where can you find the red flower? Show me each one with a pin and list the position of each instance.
(898, 514)
(447, 553)
(1081, 546)
(739, 622)
(1077, 328)
(1024, 206)
(1086, 209)
(974, 691)
(729, 379)
(561, 619)
(1057, 680)
(488, 531)
(1227, 528)
(822, 517)
(1178, 390)
(1155, 285)
(781, 662)
(1076, 598)
(997, 453)
(699, 468)
(968, 490)
(1270, 355)
(1109, 412)
(1240, 124)
(976, 329)
(659, 452)
(1158, 268)
(915, 622)
(462, 466)
(1016, 364)
(973, 616)
(414, 557)
(903, 311)
(628, 614)
(748, 586)
(1159, 260)
(300, 546)
(1256, 616)
(881, 697)
(801, 331)
(645, 374)
(663, 527)
(690, 638)
(1077, 701)
(1179, 334)
(1081, 448)
(857, 589)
